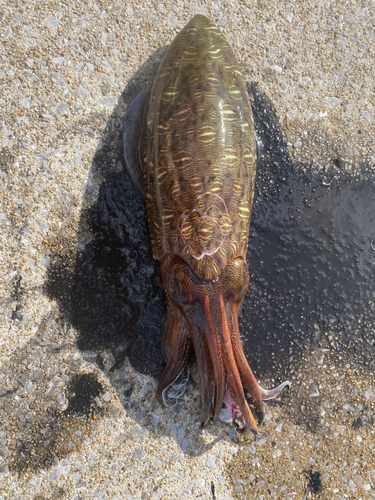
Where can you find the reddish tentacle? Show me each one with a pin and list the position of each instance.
(233, 373)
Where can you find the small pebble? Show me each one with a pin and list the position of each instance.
(147, 387)
(109, 102)
(98, 403)
(8, 33)
(366, 115)
(351, 19)
(178, 430)
(137, 432)
(36, 481)
(31, 33)
(58, 79)
(173, 21)
(51, 22)
(61, 398)
(62, 108)
(25, 103)
(140, 415)
(155, 419)
(107, 396)
(261, 441)
(351, 486)
(211, 462)
(333, 101)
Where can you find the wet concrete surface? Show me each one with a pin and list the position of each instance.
(311, 254)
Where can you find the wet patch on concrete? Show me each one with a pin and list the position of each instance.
(114, 298)
(311, 252)
(82, 391)
(49, 411)
(117, 297)
(311, 258)
(315, 482)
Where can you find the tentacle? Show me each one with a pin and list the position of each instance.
(233, 373)
(174, 318)
(206, 379)
(246, 374)
(249, 381)
(273, 393)
(178, 388)
(179, 343)
(217, 361)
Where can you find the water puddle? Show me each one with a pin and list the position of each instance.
(311, 257)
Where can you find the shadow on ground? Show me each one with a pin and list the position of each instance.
(115, 299)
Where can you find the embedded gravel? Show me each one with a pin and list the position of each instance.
(80, 299)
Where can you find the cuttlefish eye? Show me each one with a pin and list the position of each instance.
(179, 284)
(234, 280)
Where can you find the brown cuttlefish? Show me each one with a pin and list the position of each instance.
(189, 140)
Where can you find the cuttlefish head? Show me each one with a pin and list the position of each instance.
(204, 314)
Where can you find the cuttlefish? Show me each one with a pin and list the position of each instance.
(189, 141)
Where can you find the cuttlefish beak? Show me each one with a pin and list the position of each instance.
(205, 314)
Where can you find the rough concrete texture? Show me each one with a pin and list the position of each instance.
(78, 418)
